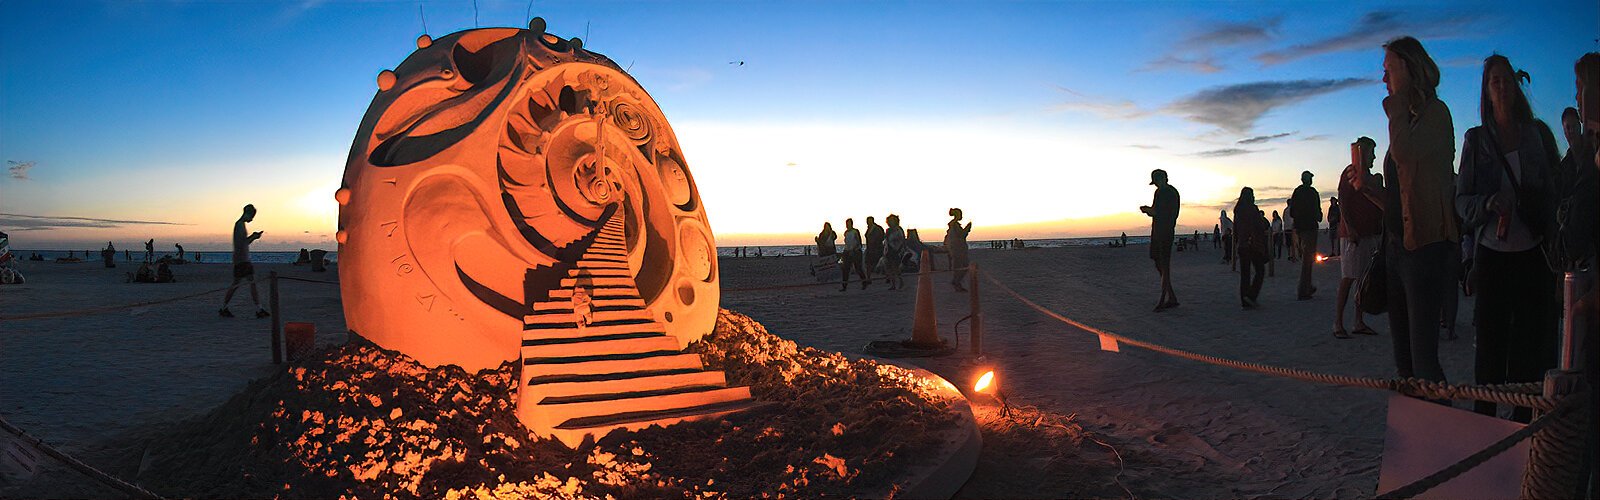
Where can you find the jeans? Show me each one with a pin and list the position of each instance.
(1418, 282)
(1250, 282)
(1308, 256)
(1515, 311)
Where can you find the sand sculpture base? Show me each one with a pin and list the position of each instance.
(360, 421)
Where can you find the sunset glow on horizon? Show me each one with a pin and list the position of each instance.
(1040, 120)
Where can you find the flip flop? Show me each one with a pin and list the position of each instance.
(1364, 330)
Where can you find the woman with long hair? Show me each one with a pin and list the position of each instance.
(1251, 232)
(1505, 196)
(1418, 204)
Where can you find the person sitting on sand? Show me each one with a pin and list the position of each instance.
(242, 269)
(1163, 212)
(582, 304)
(955, 242)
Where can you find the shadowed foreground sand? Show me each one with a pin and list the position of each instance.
(1182, 429)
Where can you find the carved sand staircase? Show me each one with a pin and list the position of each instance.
(621, 370)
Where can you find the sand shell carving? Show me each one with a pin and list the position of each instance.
(486, 173)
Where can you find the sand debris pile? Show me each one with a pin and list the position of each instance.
(358, 420)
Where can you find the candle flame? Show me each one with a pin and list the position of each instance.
(1322, 258)
(984, 382)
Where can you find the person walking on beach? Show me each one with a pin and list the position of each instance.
(1227, 236)
(180, 251)
(955, 242)
(1306, 205)
(1333, 227)
(1163, 213)
(1216, 236)
(874, 246)
(1250, 231)
(894, 250)
(1418, 208)
(851, 258)
(242, 269)
(1506, 195)
(1277, 235)
(1359, 229)
(150, 251)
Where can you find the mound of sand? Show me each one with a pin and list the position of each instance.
(359, 420)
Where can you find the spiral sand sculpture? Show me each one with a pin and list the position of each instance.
(510, 195)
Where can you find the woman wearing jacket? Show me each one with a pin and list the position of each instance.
(1505, 196)
(1418, 202)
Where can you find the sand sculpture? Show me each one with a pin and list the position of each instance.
(511, 195)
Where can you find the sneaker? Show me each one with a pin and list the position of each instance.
(224, 312)
(262, 313)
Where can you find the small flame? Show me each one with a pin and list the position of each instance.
(1322, 258)
(984, 382)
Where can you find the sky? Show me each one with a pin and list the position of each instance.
(129, 120)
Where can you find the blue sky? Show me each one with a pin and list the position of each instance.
(1038, 118)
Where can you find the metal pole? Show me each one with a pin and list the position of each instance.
(1569, 288)
(976, 330)
(277, 319)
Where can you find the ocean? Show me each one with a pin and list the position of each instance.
(722, 251)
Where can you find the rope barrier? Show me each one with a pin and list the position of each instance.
(307, 280)
(98, 310)
(1446, 474)
(111, 481)
(1409, 386)
(825, 283)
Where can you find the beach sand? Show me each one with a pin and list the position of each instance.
(1180, 428)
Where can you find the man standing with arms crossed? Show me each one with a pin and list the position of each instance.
(1163, 213)
(242, 269)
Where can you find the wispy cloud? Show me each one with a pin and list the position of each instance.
(1318, 137)
(23, 222)
(1262, 139)
(1111, 109)
(19, 169)
(1373, 29)
(1226, 152)
(1196, 51)
(1198, 64)
(1235, 108)
(1144, 146)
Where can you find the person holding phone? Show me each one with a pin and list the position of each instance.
(242, 269)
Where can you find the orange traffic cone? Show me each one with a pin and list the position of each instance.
(925, 322)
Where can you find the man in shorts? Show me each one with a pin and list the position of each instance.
(1360, 228)
(242, 269)
(1163, 213)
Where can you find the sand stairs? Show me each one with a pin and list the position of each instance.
(620, 370)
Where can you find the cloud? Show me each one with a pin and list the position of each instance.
(1372, 30)
(22, 222)
(1226, 152)
(1223, 34)
(1235, 108)
(1144, 146)
(1262, 139)
(1195, 51)
(1110, 109)
(1318, 137)
(1201, 64)
(19, 169)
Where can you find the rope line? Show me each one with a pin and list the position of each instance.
(98, 310)
(1513, 394)
(111, 481)
(307, 280)
(827, 283)
(1446, 474)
